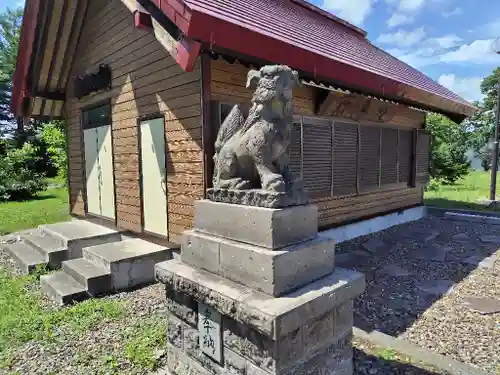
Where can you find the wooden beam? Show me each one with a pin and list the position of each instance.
(207, 133)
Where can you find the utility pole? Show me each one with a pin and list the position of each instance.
(494, 161)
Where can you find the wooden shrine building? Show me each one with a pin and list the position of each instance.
(144, 85)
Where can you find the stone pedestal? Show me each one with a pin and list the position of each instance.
(256, 292)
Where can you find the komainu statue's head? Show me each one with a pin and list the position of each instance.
(273, 83)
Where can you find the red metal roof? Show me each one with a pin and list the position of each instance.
(298, 34)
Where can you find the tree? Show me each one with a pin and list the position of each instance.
(449, 144)
(482, 123)
(10, 30)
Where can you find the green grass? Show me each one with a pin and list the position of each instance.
(464, 194)
(142, 341)
(24, 318)
(50, 206)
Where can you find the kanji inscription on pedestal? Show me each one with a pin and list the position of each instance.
(209, 326)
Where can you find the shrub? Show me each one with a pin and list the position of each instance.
(55, 142)
(18, 177)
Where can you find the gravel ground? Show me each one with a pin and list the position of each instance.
(396, 306)
(393, 305)
(98, 351)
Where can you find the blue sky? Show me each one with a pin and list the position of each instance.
(449, 40)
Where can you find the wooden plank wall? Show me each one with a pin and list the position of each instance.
(146, 80)
(228, 85)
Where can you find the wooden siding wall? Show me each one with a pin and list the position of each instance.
(146, 80)
(228, 86)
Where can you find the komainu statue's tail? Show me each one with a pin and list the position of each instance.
(231, 125)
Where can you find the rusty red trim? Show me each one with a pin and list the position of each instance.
(142, 20)
(214, 31)
(20, 89)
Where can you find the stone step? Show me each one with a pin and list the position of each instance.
(26, 257)
(50, 247)
(131, 262)
(75, 230)
(62, 288)
(96, 280)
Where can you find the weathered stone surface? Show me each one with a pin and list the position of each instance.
(175, 331)
(251, 344)
(258, 198)
(269, 228)
(180, 363)
(335, 359)
(318, 332)
(490, 239)
(252, 153)
(374, 245)
(191, 341)
(482, 305)
(271, 316)
(435, 253)
(436, 287)
(200, 250)
(234, 362)
(277, 272)
(394, 271)
(480, 261)
(182, 305)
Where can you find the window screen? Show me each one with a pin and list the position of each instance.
(96, 116)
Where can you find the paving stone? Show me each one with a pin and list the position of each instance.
(432, 236)
(490, 239)
(482, 305)
(435, 253)
(374, 245)
(461, 237)
(436, 287)
(394, 271)
(480, 261)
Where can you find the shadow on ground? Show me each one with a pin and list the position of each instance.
(367, 364)
(410, 267)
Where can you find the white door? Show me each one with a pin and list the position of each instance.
(92, 171)
(107, 185)
(153, 169)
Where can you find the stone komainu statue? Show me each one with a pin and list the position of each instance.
(251, 155)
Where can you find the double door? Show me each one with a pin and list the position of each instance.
(99, 172)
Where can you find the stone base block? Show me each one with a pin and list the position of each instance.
(259, 198)
(273, 272)
(265, 227)
(306, 332)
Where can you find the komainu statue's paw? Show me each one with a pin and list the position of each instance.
(275, 184)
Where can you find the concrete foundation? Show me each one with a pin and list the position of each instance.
(281, 306)
(378, 224)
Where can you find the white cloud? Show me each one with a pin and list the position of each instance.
(454, 12)
(467, 87)
(446, 41)
(411, 5)
(398, 19)
(402, 38)
(355, 11)
(489, 30)
(478, 52)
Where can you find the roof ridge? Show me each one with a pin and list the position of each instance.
(306, 4)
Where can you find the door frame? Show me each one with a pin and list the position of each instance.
(104, 221)
(140, 119)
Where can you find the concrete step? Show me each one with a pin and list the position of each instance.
(50, 247)
(62, 288)
(131, 262)
(78, 234)
(96, 280)
(26, 257)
